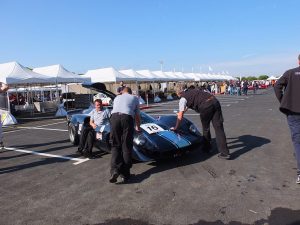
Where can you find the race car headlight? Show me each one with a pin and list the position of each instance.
(193, 129)
(140, 140)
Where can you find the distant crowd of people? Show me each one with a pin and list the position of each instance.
(234, 87)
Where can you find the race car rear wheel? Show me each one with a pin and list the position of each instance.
(73, 134)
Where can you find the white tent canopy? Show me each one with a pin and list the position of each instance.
(216, 77)
(15, 73)
(107, 75)
(148, 74)
(190, 76)
(272, 78)
(139, 77)
(182, 76)
(161, 76)
(172, 76)
(59, 74)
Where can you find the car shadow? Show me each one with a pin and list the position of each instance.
(189, 158)
(244, 144)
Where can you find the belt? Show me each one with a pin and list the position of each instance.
(210, 98)
(118, 113)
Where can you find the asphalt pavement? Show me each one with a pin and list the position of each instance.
(43, 180)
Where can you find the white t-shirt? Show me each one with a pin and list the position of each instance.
(182, 104)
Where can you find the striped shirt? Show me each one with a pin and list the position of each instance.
(100, 117)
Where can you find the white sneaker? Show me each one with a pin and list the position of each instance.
(298, 179)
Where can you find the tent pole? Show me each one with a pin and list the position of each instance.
(67, 89)
(50, 94)
(32, 109)
(17, 96)
(8, 102)
(57, 97)
(137, 88)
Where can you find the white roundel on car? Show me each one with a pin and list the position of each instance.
(151, 128)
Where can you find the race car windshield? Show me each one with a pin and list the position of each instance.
(146, 118)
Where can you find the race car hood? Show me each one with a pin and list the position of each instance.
(163, 139)
(99, 87)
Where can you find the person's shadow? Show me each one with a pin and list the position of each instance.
(245, 143)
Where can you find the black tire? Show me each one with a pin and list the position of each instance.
(73, 134)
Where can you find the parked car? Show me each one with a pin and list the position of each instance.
(156, 141)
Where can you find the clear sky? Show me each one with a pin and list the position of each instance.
(248, 37)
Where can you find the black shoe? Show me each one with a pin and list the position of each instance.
(1, 145)
(114, 178)
(87, 154)
(79, 152)
(224, 156)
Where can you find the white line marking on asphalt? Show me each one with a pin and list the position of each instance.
(176, 109)
(230, 99)
(51, 124)
(78, 160)
(37, 118)
(12, 131)
(166, 103)
(158, 109)
(41, 128)
(228, 102)
(35, 127)
(173, 114)
(235, 97)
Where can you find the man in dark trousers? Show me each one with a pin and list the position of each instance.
(125, 112)
(287, 90)
(210, 110)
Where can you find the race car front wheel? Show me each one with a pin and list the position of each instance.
(73, 134)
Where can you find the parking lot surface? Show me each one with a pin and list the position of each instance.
(43, 180)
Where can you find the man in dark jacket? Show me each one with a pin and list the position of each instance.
(287, 90)
(210, 111)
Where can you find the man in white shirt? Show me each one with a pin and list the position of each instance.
(98, 118)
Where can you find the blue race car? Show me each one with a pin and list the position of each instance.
(155, 142)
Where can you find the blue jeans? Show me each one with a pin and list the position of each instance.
(294, 124)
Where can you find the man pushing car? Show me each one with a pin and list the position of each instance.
(210, 110)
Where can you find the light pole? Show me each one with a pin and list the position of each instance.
(161, 65)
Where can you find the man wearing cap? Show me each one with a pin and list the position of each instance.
(125, 112)
(210, 111)
(287, 90)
